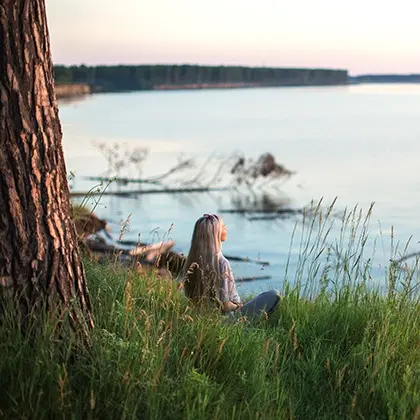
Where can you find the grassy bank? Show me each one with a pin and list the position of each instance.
(336, 348)
(154, 357)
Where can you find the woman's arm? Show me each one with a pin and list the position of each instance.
(228, 295)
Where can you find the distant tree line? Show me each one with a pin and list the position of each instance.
(147, 77)
(386, 78)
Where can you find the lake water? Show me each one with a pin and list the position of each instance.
(360, 143)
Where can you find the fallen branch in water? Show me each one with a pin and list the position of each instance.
(141, 192)
(248, 171)
(129, 243)
(153, 181)
(119, 180)
(124, 159)
(239, 279)
(273, 217)
(188, 163)
(262, 211)
(406, 257)
(246, 259)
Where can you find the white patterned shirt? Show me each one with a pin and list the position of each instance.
(227, 284)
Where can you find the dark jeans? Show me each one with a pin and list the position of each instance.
(264, 302)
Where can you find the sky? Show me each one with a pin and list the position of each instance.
(362, 36)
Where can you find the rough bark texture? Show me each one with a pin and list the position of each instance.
(39, 256)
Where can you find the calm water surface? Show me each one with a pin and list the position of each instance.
(358, 143)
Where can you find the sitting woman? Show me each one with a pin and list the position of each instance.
(208, 276)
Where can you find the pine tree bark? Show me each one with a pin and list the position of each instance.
(39, 255)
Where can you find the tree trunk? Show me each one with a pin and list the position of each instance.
(39, 255)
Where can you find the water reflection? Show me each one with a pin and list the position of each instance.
(359, 143)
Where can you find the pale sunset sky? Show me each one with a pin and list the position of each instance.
(363, 36)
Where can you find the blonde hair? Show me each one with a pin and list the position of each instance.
(202, 269)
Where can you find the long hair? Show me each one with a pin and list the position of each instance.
(202, 270)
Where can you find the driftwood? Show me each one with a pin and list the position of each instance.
(129, 243)
(121, 156)
(121, 180)
(241, 259)
(87, 223)
(258, 218)
(156, 257)
(247, 171)
(237, 168)
(285, 211)
(228, 257)
(144, 257)
(240, 279)
(406, 257)
(133, 193)
(147, 252)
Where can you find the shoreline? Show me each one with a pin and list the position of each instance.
(70, 91)
(235, 85)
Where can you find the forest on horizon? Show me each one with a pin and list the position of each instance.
(147, 77)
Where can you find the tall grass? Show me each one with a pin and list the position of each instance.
(336, 347)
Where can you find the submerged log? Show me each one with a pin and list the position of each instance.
(406, 257)
(240, 279)
(248, 172)
(121, 180)
(129, 243)
(285, 211)
(246, 259)
(272, 217)
(134, 193)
